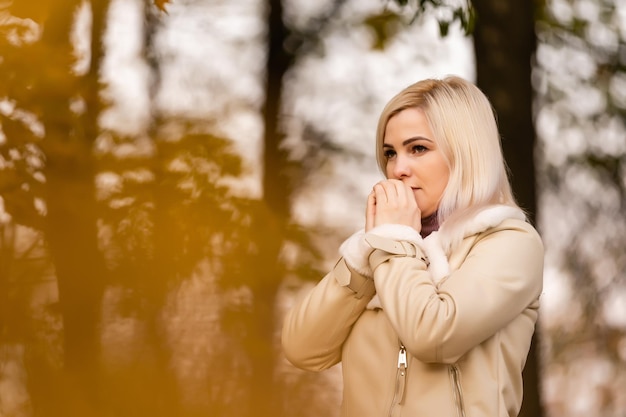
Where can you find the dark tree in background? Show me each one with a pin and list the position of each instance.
(504, 42)
(69, 192)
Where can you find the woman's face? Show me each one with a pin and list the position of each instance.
(414, 158)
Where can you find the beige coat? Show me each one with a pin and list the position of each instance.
(463, 318)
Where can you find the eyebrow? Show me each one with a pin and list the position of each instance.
(407, 141)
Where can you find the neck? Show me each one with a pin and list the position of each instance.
(429, 225)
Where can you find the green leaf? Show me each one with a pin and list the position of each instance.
(384, 27)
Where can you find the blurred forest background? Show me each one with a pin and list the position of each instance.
(173, 174)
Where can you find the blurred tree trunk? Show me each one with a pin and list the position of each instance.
(271, 226)
(504, 40)
(153, 276)
(70, 227)
(7, 249)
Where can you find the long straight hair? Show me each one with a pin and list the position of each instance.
(465, 129)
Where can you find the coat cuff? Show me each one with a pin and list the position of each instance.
(393, 240)
(399, 232)
(361, 285)
(356, 251)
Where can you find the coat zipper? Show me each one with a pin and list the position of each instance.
(455, 378)
(403, 364)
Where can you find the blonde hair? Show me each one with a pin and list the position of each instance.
(465, 129)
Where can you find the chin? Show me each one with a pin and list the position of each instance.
(427, 212)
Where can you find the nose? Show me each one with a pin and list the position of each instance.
(398, 168)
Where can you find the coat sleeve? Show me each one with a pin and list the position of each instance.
(315, 329)
(501, 276)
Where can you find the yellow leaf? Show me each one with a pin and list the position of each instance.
(161, 4)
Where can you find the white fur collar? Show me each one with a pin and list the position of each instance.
(435, 246)
(439, 244)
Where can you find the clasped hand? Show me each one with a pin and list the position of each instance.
(392, 202)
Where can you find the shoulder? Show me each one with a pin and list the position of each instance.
(513, 242)
(517, 229)
(506, 241)
(481, 221)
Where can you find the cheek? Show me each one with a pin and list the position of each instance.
(440, 176)
(444, 176)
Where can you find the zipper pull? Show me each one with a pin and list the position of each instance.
(398, 398)
(402, 357)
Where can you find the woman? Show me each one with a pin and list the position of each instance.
(432, 307)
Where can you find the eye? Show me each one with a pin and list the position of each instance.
(418, 149)
(389, 153)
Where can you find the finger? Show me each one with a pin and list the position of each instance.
(401, 192)
(408, 195)
(397, 193)
(380, 193)
(390, 191)
(370, 211)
